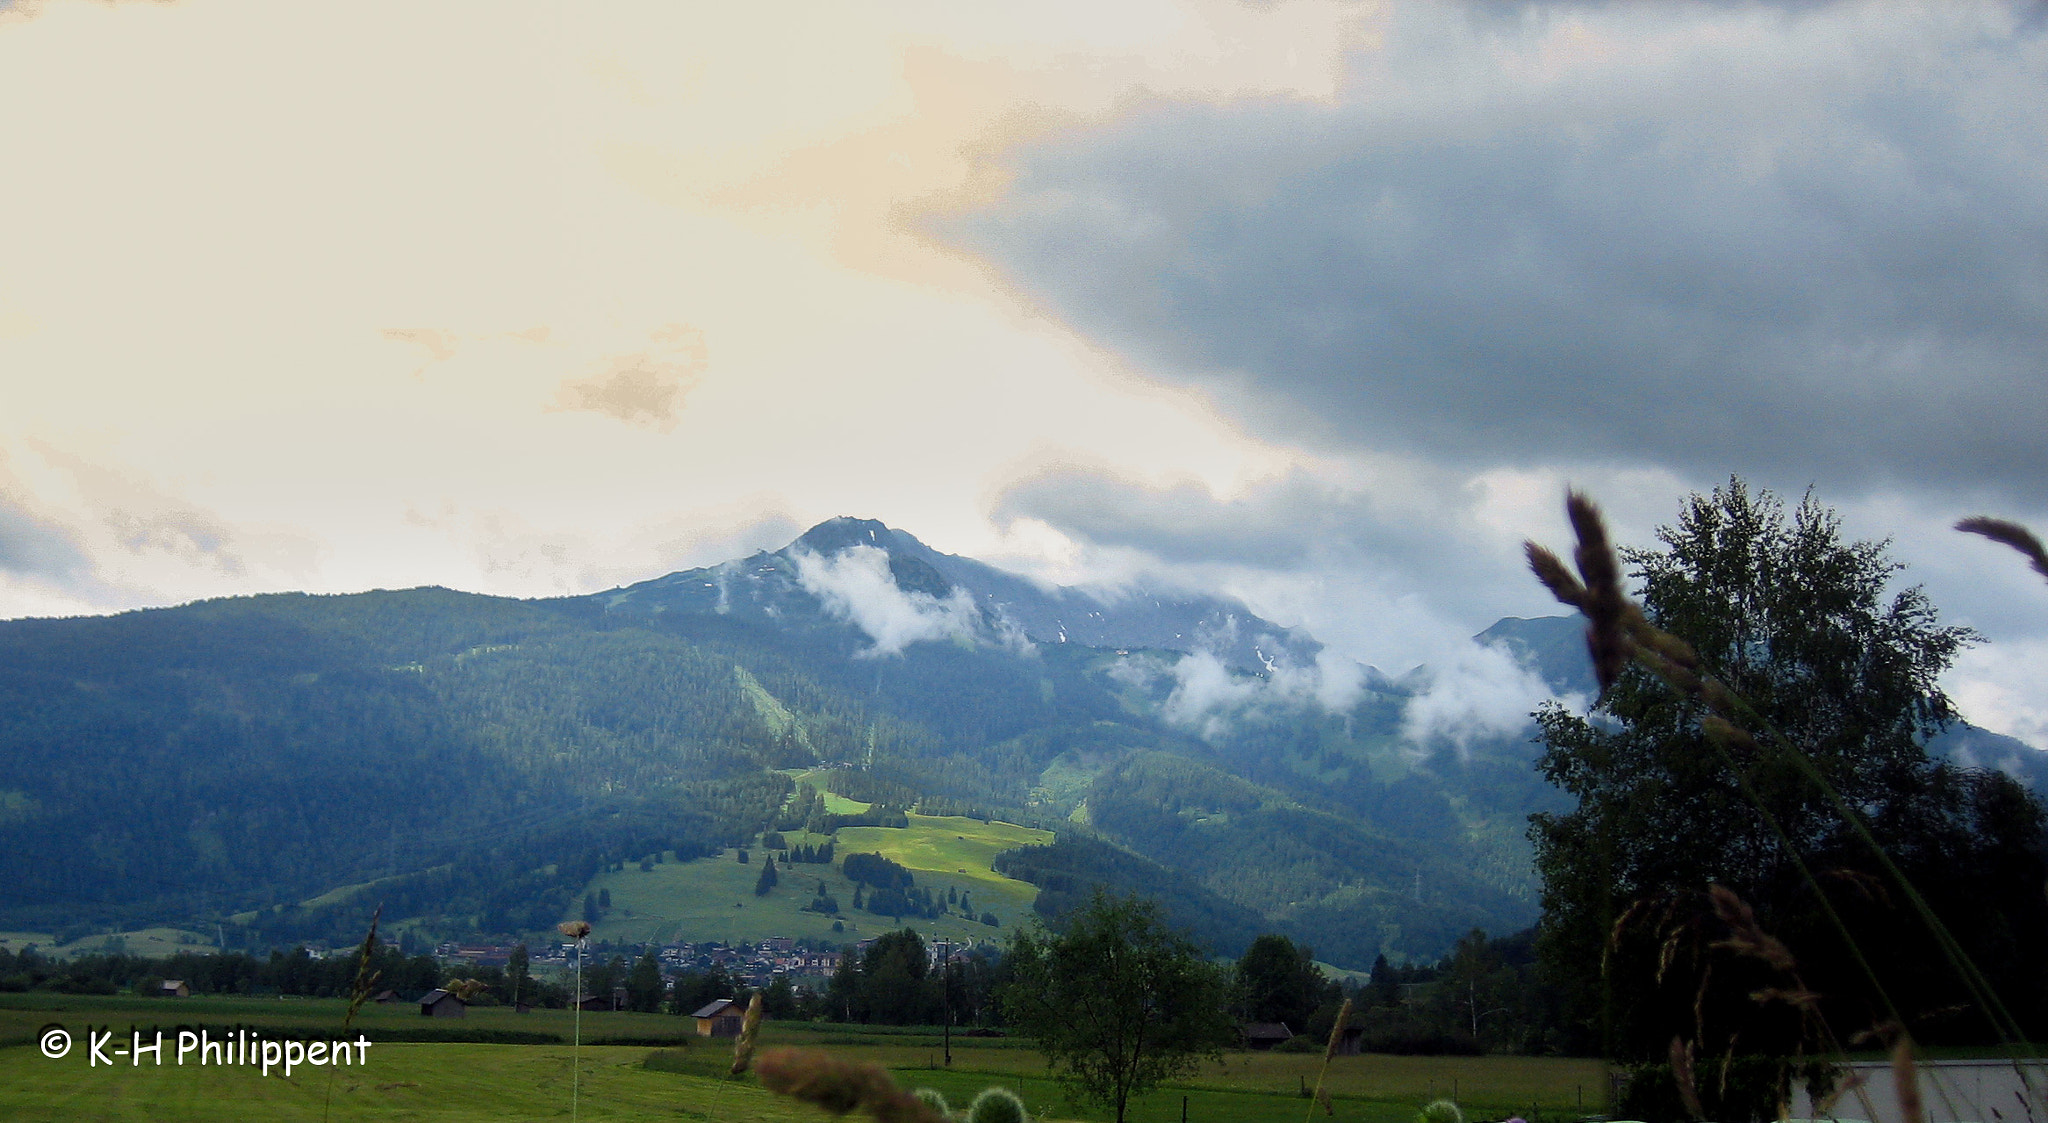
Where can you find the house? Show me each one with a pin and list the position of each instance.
(1264, 1035)
(720, 1019)
(441, 1004)
(593, 1003)
(387, 997)
(174, 988)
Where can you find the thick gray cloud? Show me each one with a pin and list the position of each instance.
(1807, 244)
(1293, 523)
(1389, 575)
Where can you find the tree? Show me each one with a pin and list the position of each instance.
(516, 971)
(1117, 1001)
(1279, 982)
(607, 975)
(893, 986)
(767, 879)
(644, 986)
(1804, 628)
(843, 994)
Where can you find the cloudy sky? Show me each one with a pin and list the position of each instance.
(1321, 304)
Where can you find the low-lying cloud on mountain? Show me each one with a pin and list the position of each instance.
(1206, 696)
(1480, 692)
(855, 585)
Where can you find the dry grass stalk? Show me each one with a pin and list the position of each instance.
(1727, 734)
(1682, 1075)
(1906, 1079)
(2009, 534)
(750, 1028)
(817, 1077)
(1604, 603)
(366, 979)
(576, 930)
(1852, 1081)
(1555, 576)
(1322, 1095)
(1800, 998)
(1617, 630)
(1744, 934)
(1337, 1031)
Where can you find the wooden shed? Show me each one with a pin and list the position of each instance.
(720, 1019)
(441, 1004)
(1264, 1035)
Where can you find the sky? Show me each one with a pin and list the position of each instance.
(1319, 304)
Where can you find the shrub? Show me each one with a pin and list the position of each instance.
(997, 1105)
(1299, 1043)
(1441, 1111)
(934, 1099)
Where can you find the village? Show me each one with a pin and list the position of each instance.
(805, 968)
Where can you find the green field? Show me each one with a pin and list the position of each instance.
(834, 804)
(454, 1080)
(713, 898)
(139, 941)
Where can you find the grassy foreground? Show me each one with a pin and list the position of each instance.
(452, 1082)
(464, 1080)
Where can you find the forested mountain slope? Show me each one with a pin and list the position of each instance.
(480, 760)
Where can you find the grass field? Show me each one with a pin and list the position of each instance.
(139, 941)
(834, 804)
(713, 898)
(468, 1081)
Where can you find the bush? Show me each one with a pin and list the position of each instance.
(1299, 1043)
(934, 1099)
(997, 1105)
(1441, 1111)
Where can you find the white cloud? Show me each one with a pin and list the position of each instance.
(2004, 688)
(1479, 691)
(1207, 697)
(855, 585)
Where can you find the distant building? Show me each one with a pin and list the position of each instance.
(387, 998)
(594, 1003)
(174, 988)
(1264, 1035)
(441, 1004)
(720, 1019)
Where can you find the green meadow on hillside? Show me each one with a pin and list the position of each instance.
(713, 898)
(157, 941)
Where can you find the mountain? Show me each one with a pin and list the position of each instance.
(796, 586)
(1554, 647)
(277, 765)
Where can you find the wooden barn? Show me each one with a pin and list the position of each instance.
(1264, 1035)
(720, 1019)
(441, 1004)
